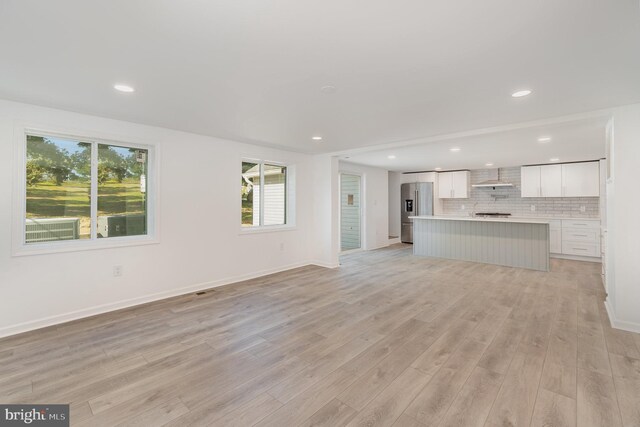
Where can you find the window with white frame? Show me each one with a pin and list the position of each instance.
(264, 191)
(84, 190)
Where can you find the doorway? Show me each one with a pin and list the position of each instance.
(350, 212)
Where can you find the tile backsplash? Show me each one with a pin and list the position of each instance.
(567, 207)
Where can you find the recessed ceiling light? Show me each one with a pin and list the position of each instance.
(316, 138)
(544, 139)
(454, 149)
(438, 169)
(328, 89)
(123, 88)
(521, 93)
(391, 156)
(554, 159)
(488, 164)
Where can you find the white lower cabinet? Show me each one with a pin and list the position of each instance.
(580, 249)
(581, 237)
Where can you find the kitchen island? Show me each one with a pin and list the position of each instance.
(513, 242)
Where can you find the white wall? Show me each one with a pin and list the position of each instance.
(375, 201)
(394, 203)
(623, 221)
(326, 211)
(200, 244)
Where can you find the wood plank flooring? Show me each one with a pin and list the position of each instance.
(387, 339)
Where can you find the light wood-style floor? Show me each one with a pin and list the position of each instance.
(386, 339)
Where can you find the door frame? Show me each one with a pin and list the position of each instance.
(362, 211)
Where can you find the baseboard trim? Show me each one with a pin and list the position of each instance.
(381, 246)
(324, 264)
(620, 324)
(119, 305)
(577, 258)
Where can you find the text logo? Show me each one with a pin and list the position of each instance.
(34, 415)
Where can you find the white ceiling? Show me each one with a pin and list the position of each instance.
(252, 70)
(570, 141)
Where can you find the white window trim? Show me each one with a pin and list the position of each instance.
(289, 199)
(21, 248)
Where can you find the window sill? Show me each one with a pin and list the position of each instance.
(80, 246)
(266, 229)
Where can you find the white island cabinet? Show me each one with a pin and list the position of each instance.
(503, 241)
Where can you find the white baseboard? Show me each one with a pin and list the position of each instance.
(384, 245)
(325, 264)
(620, 324)
(577, 258)
(105, 308)
(394, 241)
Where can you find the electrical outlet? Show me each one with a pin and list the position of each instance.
(533, 208)
(117, 270)
(461, 207)
(282, 246)
(583, 208)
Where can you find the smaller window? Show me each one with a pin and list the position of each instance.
(264, 192)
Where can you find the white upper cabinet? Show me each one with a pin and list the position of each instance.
(461, 181)
(427, 177)
(581, 179)
(530, 181)
(408, 177)
(417, 177)
(453, 185)
(562, 180)
(551, 181)
(444, 185)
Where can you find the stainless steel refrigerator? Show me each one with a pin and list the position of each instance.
(416, 199)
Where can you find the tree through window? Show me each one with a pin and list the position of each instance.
(64, 186)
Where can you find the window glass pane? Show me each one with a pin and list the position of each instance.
(250, 188)
(58, 175)
(122, 191)
(275, 193)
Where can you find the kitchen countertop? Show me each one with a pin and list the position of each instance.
(558, 218)
(484, 219)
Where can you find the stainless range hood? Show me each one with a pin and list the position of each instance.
(493, 180)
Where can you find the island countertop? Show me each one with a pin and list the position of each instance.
(483, 219)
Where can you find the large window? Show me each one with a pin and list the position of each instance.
(84, 190)
(264, 194)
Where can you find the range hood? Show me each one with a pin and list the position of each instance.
(493, 180)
